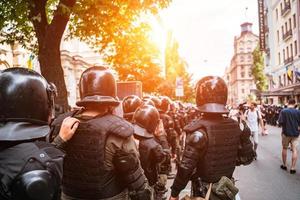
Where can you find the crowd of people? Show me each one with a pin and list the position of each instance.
(94, 152)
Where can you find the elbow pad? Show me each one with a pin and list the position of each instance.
(128, 167)
(37, 184)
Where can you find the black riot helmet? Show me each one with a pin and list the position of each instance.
(165, 103)
(211, 95)
(97, 86)
(130, 104)
(25, 96)
(156, 101)
(148, 102)
(146, 120)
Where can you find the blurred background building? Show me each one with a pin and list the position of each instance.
(75, 58)
(238, 75)
(281, 37)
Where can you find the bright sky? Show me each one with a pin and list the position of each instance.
(206, 29)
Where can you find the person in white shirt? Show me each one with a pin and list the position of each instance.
(253, 118)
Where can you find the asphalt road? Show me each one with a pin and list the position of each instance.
(263, 179)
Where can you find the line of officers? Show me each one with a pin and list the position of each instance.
(91, 153)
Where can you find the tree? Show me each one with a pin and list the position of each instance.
(136, 58)
(176, 66)
(40, 24)
(258, 70)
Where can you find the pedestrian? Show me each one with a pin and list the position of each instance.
(30, 168)
(254, 119)
(214, 145)
(289, 119)
(102, 158)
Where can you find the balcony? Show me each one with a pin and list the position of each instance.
(288, 60)
(286, 8)
(287, 35)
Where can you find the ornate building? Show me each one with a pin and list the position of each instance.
(282, 40)
(238, 75)
(75, 58)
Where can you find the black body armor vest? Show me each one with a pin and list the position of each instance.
(24, 157)
(84, 173)
(222, 149)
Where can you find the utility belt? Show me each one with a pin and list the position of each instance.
(224, 189)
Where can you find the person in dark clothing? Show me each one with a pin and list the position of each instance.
(215, 144)
(31, 168)
(289, 119)
(146, 121)
(102, 159)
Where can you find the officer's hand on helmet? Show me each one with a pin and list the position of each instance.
(68, 128)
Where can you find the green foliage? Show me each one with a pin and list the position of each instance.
(39, 25)
(97, 22)
(136, 57)
(176, 66)
(258, 70)
(15, 25)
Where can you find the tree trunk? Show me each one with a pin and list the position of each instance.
(49, 38)
(51, 69)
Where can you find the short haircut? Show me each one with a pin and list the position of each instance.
(291, 102)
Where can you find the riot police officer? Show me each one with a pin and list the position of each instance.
(30, 167)
(129, 105)
(102, 158)
(146, 121)
(215, 144)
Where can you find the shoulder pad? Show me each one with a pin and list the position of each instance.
(197, 139)
(193, 126)
(121, 127)
(57, 121)
(52, 151)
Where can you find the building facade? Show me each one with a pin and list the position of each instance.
(281, 18)
(238, 75)
(75, 58)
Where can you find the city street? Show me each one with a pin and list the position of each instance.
(263, 179)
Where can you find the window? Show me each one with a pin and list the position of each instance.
(276, 14)
(280, 81)
(281, 6)
(242, 58)
(282, 31)
(243, 91)
(287, 52)
(283, 53)
(242, 74)
(294, 20)
(295, 46)
(242, 67)
(286, 27)
(278, 36)
(249, 73)
(279, 59)
(290, 23)
(291, 47)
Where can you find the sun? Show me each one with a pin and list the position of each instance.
(158, 33)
